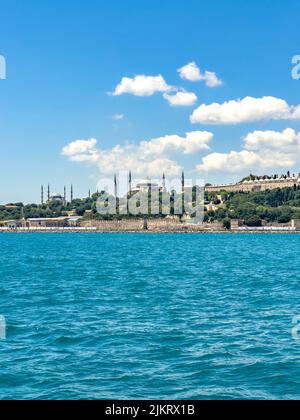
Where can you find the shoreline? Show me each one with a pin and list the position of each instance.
(208, 232)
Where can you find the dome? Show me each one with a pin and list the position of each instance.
(147, 183)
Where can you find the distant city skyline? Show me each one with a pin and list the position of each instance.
(102, 87)
(131, 183)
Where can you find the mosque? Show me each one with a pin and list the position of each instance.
(56, 197)
(144, 186)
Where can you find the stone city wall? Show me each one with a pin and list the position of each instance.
(252, 186)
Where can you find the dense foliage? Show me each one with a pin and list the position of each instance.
(55, 209)
(254, 208)
(274, 206)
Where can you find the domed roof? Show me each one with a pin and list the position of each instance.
(146, 182)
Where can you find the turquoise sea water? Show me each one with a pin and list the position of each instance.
(140, 316)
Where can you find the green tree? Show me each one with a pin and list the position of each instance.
(253, 221)
(227, 223)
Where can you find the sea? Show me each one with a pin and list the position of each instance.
(150, 316)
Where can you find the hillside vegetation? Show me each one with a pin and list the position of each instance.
(276, 206)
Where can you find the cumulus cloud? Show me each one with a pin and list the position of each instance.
(193, 142)
(288, 140)
(228, 162)
(146, 158)
(192, 73)
(119, 117)
(212, 80)
(245, 110)
(262, 150)
(181, 99)
(79, 147)
(142, 86)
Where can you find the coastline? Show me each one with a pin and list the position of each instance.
(177, 232)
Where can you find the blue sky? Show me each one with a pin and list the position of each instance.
(64, 57)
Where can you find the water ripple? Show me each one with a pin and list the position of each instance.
(149, 316)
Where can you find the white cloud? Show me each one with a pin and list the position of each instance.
(193, 142)
(146, 158)
(287, 140)
(192, 73)
(181, 99)
(78, 147)
(228, 162)
(263, 150)
(119, 117)
(245, 110)
(142, 86)
(212, 80)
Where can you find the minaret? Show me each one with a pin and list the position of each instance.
(49, 192)
(89, 194)
(150, 184)
(129, 186)
(42, 195)
(116, 194)
(183, 191)
(116, 185)
(183, 182)
(65, 196)
(130, 182)
(164, 183)
(72, 193)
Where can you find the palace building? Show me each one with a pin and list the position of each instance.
(258, 184)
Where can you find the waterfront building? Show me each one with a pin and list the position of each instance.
(58, 222)
(11, 224)
(74, 221)
(47, 222)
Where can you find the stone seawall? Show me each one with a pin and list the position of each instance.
(155, 225)
(115, 226)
